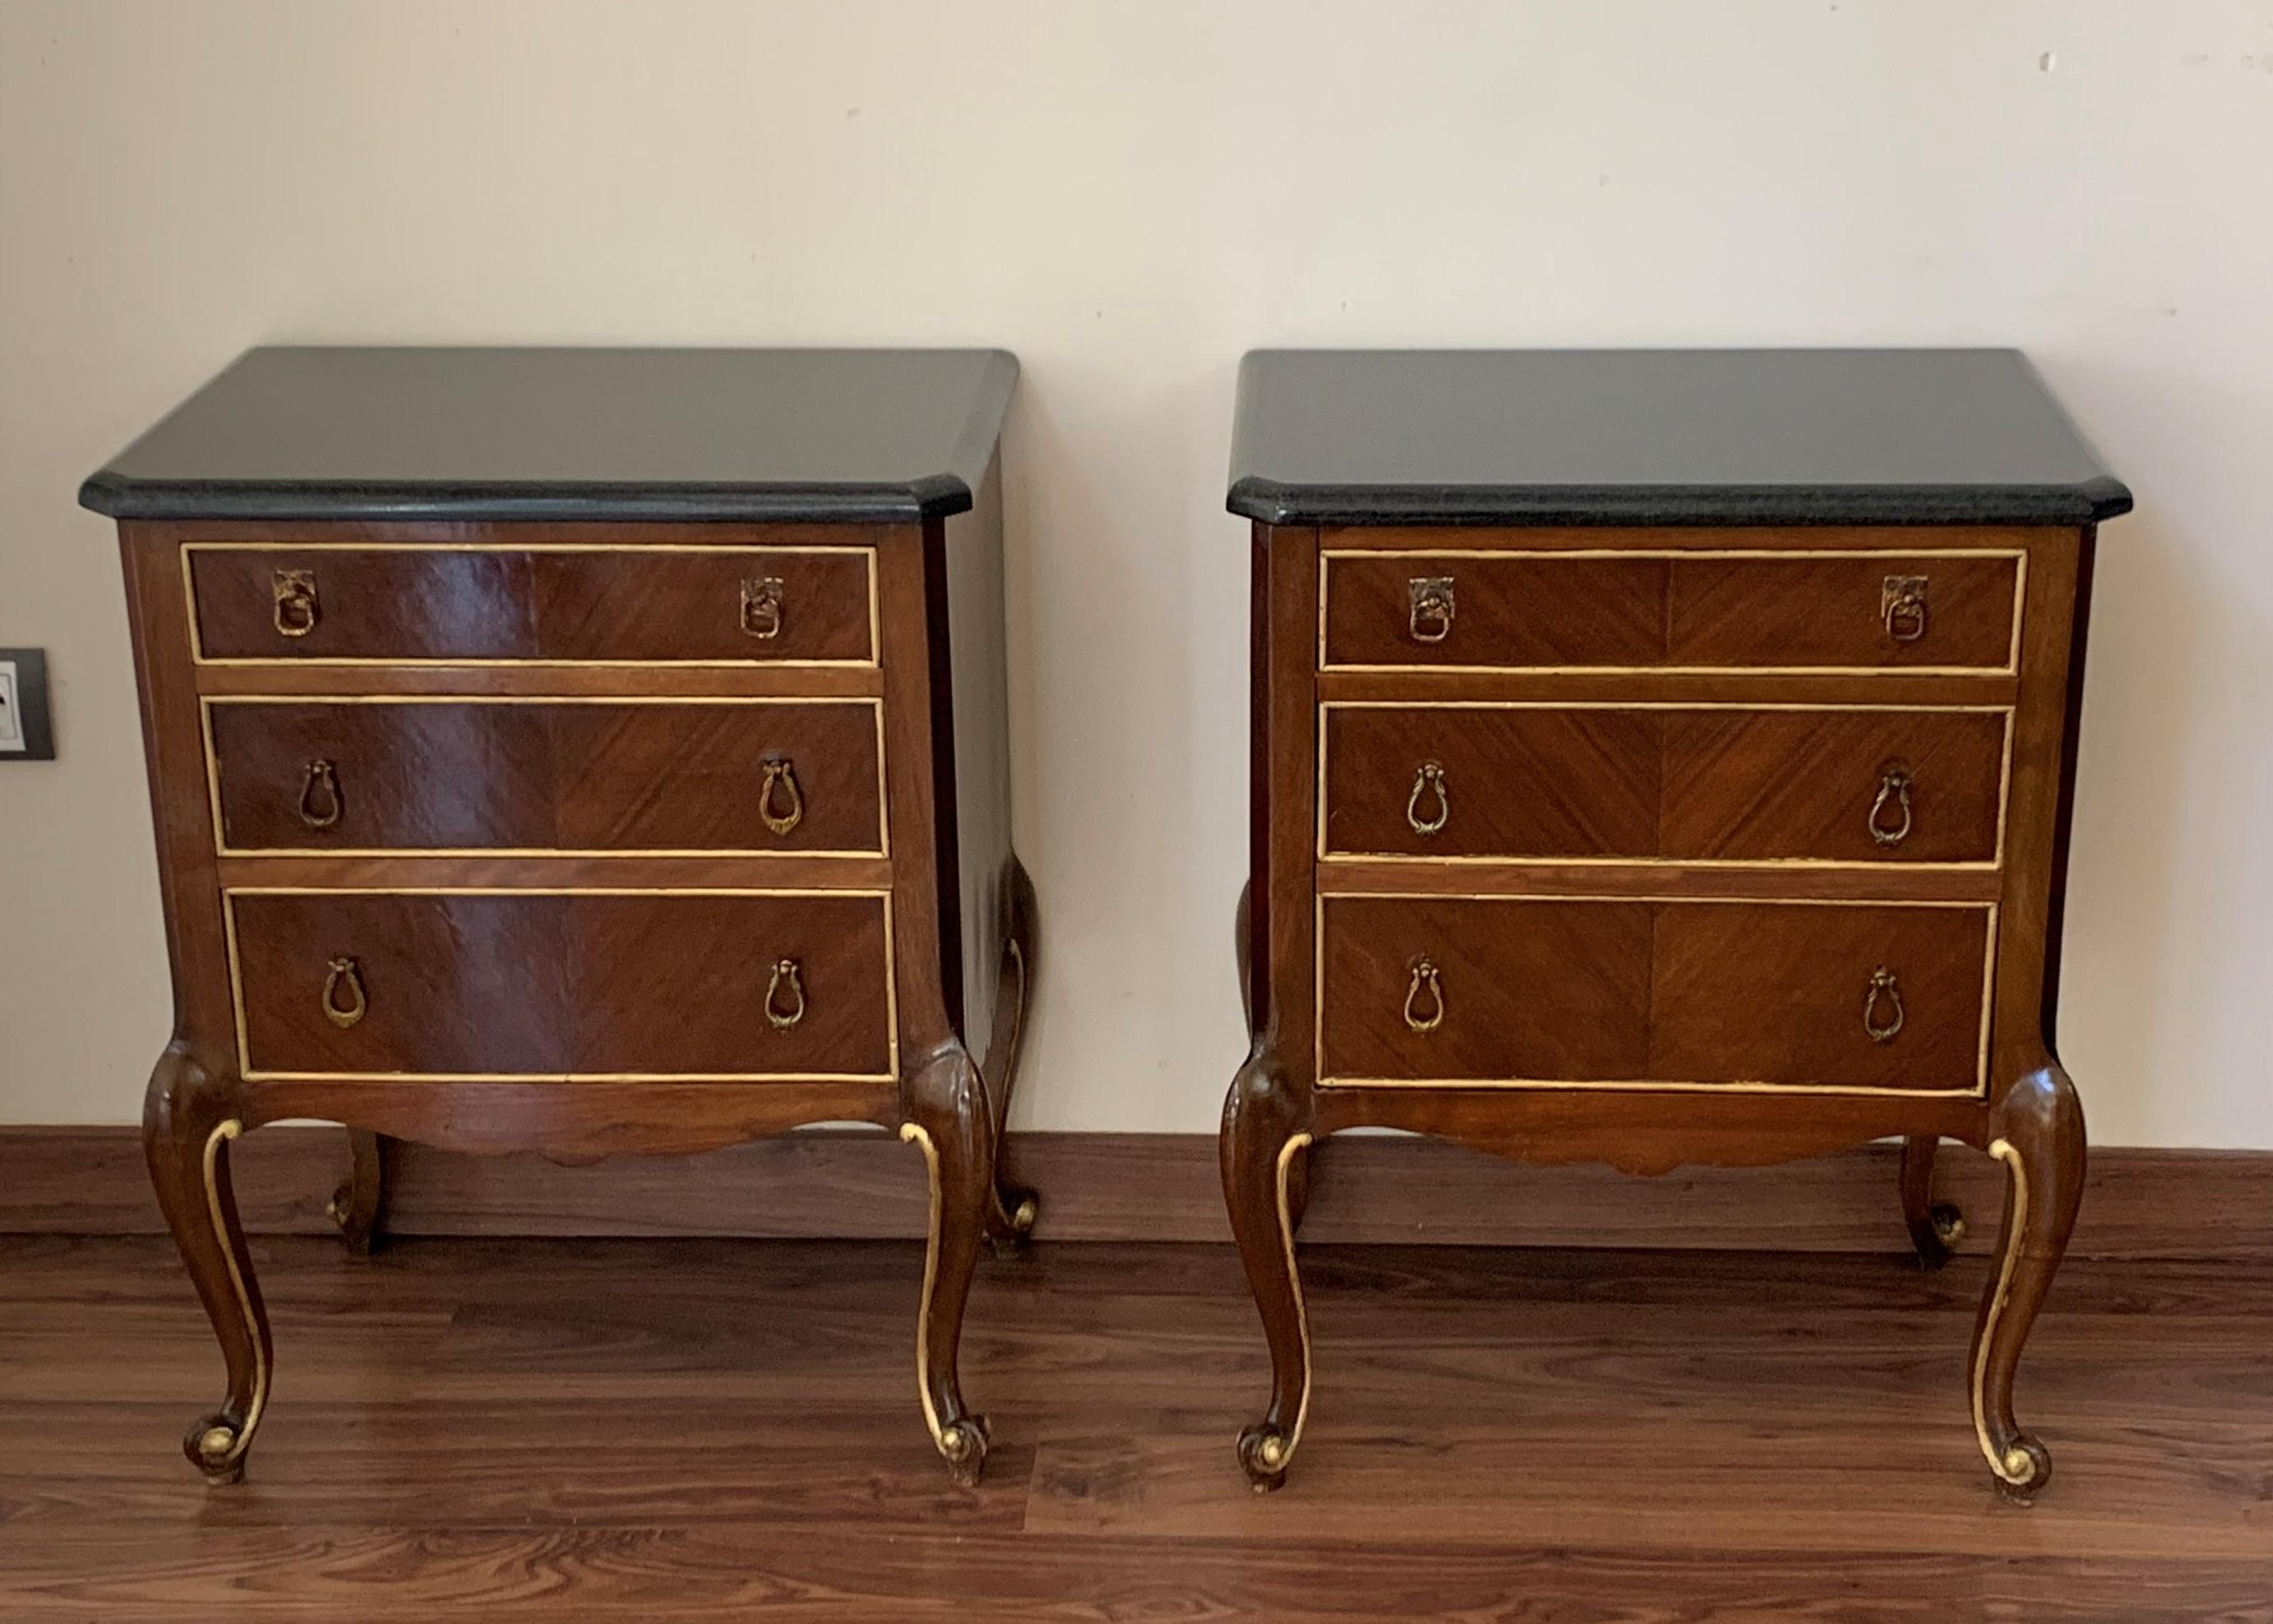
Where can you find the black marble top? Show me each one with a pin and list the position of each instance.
(1640, 437)
(828, 435)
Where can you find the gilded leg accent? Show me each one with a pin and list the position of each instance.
(1259, 1153)
(949, 1125)
(1011, 1209)
(354, 1205)
(185, 1136)
(1936, 1227)
(2041, 1143)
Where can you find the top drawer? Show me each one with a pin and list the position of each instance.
(563, 604)
(1918, 609)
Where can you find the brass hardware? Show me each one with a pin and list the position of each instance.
(1901, 605)
(1894, 785)
(1431, 618)
(296, 610)
(321, 776)
(1431, 776)
(762, 606)
(1424, 974)
(344, 973)
(784, 970)
(1883, 985)
(780, 772)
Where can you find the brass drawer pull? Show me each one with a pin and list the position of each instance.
(785, 970)
(1424, 975)
(296, 610)
(761, 607)
(320, 806)
(780, 774)
(344, 973)
(1430, 777)
(1431, 618)
(1894, 785)
(1884, 988)
(1901, 605)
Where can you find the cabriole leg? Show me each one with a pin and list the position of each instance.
(2037, 1133)
(355, 1203)
(1260, 1146)
(947, 1119)
(1936, 1227)
(189, 1122)
(1012, 1210)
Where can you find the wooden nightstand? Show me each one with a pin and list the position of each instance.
(580, 751)
(1663, 757)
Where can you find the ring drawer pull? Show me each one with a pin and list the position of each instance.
(761, 607)
(1430, 777)
(1901, 605)
(1431, 618)
(344, 973)
(1894, 786)
(1883, 989)
(782, 775)
(785, 972)
(1424, 975)
(296, 610)
(320, 806)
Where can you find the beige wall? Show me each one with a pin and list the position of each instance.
(1129, 196)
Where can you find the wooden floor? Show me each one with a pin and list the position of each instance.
(653, 1430)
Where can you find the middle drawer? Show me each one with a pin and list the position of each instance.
(360, 775)
(1655, 783)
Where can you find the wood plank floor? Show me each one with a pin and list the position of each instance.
(704, 1429)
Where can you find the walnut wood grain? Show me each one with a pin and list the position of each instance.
(1698, 785)
(446, 602)
(533, 776)
(1674, 611)
(547, 984)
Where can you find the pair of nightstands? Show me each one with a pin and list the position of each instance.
(1658, 758)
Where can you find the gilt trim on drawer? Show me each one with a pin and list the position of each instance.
(1996, 861)
(1980, 1090)
(2018, 556)
(199, 656)
(221, 847)
(229, 894)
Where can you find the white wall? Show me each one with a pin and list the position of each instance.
(1130, 195)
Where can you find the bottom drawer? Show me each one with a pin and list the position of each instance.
(725, 985)
(1654, 993)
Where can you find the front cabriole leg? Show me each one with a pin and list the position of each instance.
(2037, 1132)
(1260, 1144)
(190, 1120)
(948, 1117)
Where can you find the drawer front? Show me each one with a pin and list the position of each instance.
(657, 605)
(1658, 782)
(1764, 610)
(345, 776)
(1654, 993)
(584, 984)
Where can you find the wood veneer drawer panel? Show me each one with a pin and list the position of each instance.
(1506, 610)
(1652, 993)
(1530, 988)
(341, 775)
(1766, 610)
(1655, 782)
(1929, 610)
(664, 605)
(740, 984)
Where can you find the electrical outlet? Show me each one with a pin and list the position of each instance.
(25, 734)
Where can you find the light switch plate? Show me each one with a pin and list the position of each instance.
(25, 734)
